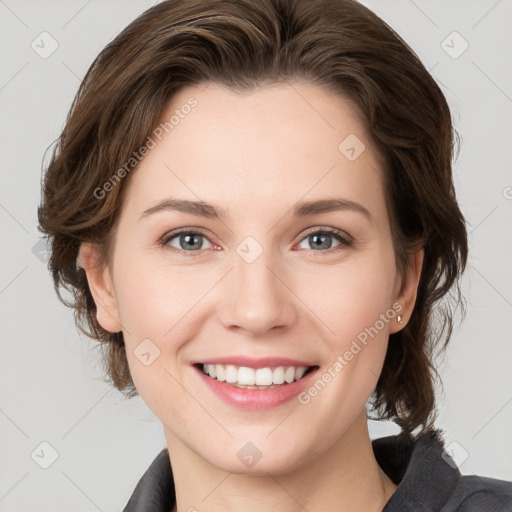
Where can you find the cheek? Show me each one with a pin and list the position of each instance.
(358, 311)
(352, 297)
(159, 306)
(152, 297)
(355, 302)
(156, 305)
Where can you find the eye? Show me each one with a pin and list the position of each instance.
(186, 240)
(191, 241)
(322, 239)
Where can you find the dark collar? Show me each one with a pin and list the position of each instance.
(425, 477)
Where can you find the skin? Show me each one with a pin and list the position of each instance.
(256, 155)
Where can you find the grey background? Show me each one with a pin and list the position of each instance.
(51, 388)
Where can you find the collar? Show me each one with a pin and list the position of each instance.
(425, 474)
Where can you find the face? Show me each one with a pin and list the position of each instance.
(270, 283)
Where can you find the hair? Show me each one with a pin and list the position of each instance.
(339, 45)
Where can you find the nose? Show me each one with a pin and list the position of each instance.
(256, 297)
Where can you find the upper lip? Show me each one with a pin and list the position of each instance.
(253, 362)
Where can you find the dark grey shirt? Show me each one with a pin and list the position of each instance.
(428, 480)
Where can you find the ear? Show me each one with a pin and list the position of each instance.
(408, 289)
(101, 286)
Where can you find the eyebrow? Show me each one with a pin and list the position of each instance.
(302, 209)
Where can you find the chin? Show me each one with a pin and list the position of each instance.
(249, 460)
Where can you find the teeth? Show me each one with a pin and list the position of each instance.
(254, 378)
(289, 374)
(231, 373)
(299, 372)
(246, 377)
(278, 375)
(263, 377)
(213, 373)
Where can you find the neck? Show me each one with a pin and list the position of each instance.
(346, 477)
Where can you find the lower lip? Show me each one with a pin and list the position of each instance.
(256, 399)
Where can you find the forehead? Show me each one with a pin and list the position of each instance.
(272, 145)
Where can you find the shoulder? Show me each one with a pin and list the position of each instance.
(155, 490)
(428, 478)
(479, 493)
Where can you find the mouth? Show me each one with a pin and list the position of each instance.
(264, 378)
(255, 384)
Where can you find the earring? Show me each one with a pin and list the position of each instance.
(399, 319)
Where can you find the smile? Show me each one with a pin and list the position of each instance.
(255, 388)
(255, 378)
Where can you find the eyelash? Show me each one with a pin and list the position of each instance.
(344, 240)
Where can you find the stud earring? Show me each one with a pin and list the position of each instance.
(399, 319)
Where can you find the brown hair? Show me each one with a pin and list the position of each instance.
(337, 44)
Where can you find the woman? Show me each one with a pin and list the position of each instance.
(252, 204)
